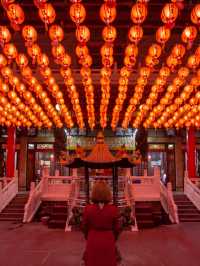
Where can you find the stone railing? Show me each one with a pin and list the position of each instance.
(8, 190)
(191, 190)
(168, 203)
(145, 187)
(52, 188)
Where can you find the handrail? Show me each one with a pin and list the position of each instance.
(9, 191)
(192, 191)
(33, 202)
(72, 201)
(168, 203)
(130, 201)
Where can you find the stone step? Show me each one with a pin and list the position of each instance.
(12, 219)
(189, 220)
(59, 216)
(12, 215)
(13, 210)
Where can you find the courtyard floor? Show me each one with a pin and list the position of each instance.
(34, 245)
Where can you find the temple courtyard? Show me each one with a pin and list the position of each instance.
(34, 245)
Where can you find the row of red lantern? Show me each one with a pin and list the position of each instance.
(78, 14)
(32, 111)
(163, 34)
(173, 60)
(175, 109)
(172, 89)
(10, 115)
(178, 81)
(20, 88)
(22, 61)
(138, 15)
(30, 35)
(108, 14)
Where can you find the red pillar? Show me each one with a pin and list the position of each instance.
(10, 162)
(191, 149)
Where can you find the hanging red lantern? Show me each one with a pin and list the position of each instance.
(81, 51)
(172, 62)
(65, 61)
(164, 72)
(188, 35)
(87, 61)
(34, 51)
(56, 34)
(77, 13)
(107, 61)
(5, 35)
(82, 34)
(163, 34)
(131, 50)
(193, 61)
(22, 60)
(108, 13)
(195, 14)
(58, 52)
(106, 50)
(109, 34)
(43, 60)
(155, 50)
(151, 61)
(169, 14)
(47, 14)
(29, 34)
(139, 13)
(10, 51)
(135, 33)
(16, 15)
(183, 72)
(178, 51)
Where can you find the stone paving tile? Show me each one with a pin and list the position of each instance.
(36, 245)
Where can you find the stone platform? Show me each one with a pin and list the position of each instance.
(36, 245)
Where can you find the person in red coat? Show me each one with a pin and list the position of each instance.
(101, 228)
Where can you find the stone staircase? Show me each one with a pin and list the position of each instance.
(148, 214)
(14, 212)
(187, 212)
(56, 213)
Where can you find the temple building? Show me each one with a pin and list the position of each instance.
(99, 90)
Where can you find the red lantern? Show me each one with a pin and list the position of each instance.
(58, 52)
(47, 14)
(34, 51)
(193, 61)
(189, 34)
(169, 14)
(77, 13)
(10, 51)
(106, 50)
(56, 34)
(108, 13)
(83, 34)
(16, 15)
(135, 33)
(66, 61)
(22, 60)
(139, 13)
(172, 62)
(29, 33)
(178, 51)
(81, 51)
(195, 14)
(43, 60)
(163, 34)
(109, 34)
(155, 50)
(131, 50)
(5, 35)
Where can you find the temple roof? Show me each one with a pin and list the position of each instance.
(100, 152)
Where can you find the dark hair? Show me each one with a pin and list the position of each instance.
(101, 192)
